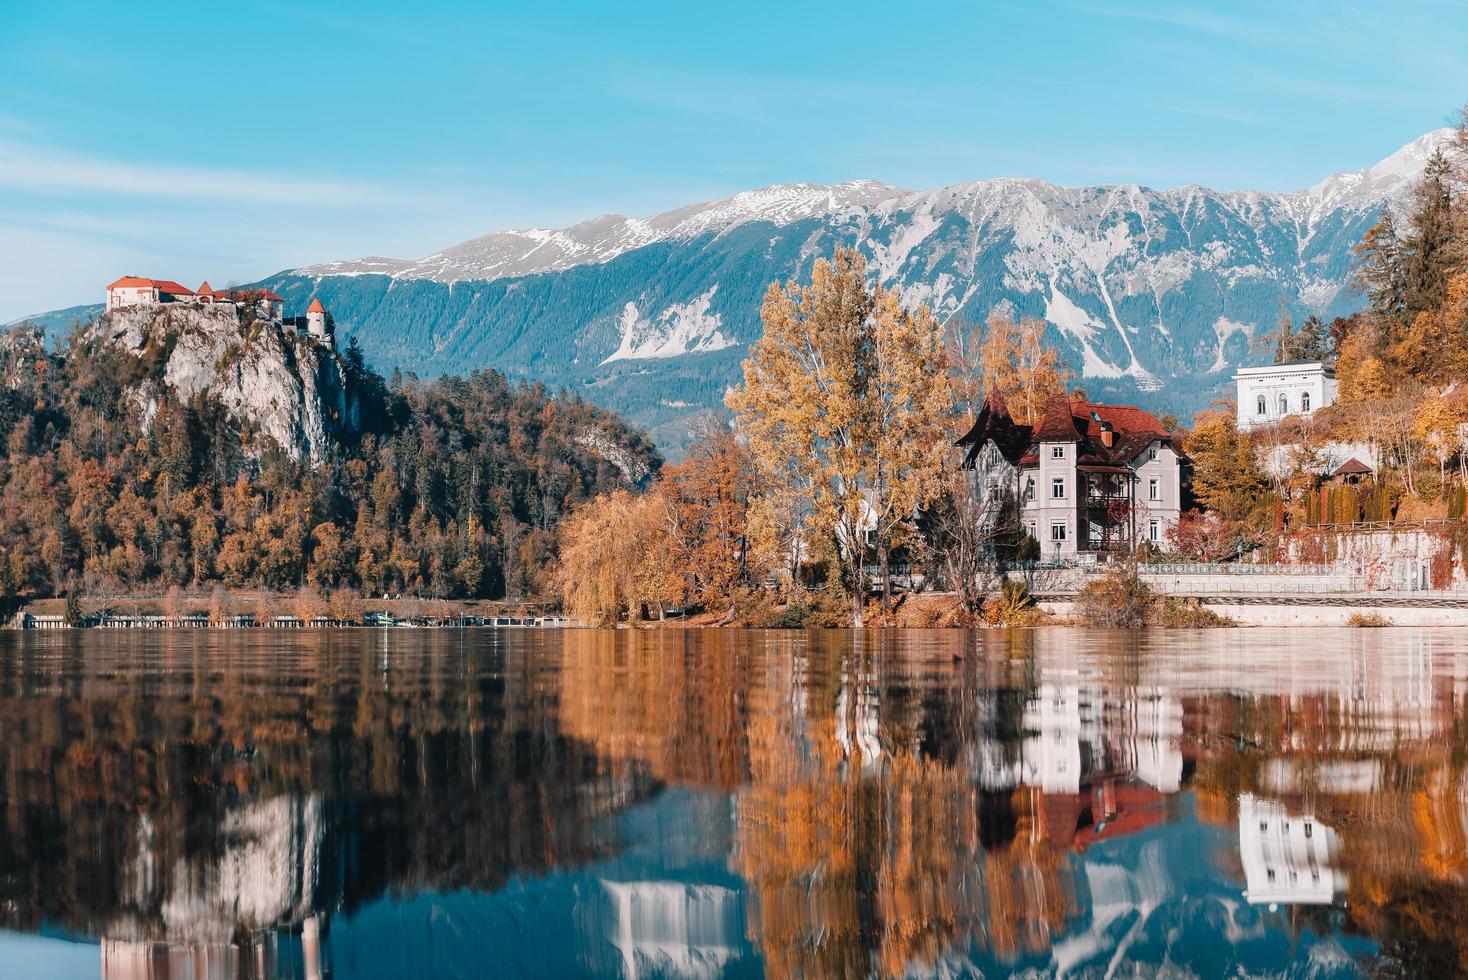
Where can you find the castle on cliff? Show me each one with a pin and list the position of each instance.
(140, 291)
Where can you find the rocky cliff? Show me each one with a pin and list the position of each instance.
(278, 383)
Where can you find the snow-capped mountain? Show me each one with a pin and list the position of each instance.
(528, 251)
(1153, 294)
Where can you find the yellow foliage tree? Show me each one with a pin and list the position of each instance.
(847, 398)
(614, 559)
(1016, 363)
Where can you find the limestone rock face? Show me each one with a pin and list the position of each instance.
(22, 354)
(285, 386)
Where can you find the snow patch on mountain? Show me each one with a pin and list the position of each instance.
(682, 328)
(1224, 328)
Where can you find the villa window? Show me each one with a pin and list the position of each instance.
(1030, 488)
(1263, 408)
(1057, 452)
(1284, 404)
(1304, 401)
(1030, 530)
(1154, 489)
(1151, 454)
(1057, 531)
(1057, 488)
(1154, 531)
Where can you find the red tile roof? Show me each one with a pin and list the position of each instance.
(315, 306)
(162, 285)
(1059, 422)
(1353, 466)
(1073, 421)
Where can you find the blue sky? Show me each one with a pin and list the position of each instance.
(229, 141)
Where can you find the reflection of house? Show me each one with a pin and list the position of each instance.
(1275, 391)
(1089, 477)
(1287, 859)
(668, 928)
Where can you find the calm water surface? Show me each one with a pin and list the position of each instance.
(488, 803)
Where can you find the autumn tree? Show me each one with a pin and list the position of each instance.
(614, 559)
(1015, 361)
(962, 529)
(1226, 477)
(346, 605)
(711, 500)
(308, 604)
(1310, 342)
(846, 397)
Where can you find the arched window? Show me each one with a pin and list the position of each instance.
(1284, 404)
(1304, 401)
(1263, 409)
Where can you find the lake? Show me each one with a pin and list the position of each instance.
(541, 803)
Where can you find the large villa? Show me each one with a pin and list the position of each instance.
(1089, 478)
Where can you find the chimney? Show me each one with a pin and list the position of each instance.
(1106, 434)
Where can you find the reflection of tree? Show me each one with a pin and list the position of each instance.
(1389, 778)
(894, 803)
(865, 844)
(427, 767)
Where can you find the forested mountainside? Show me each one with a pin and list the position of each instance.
(1152, 295)
(183, 445)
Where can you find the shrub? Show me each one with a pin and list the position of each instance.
(1118, 600)
(1013, 606)
(1028, 550)
(1121, 600)
(1367, 620)
(1186, 613)
(820, 609)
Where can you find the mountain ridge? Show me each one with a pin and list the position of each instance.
(781, 203)
(1154, 296)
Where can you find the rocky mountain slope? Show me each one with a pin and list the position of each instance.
(1154, 295)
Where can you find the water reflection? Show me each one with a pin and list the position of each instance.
(707, 804)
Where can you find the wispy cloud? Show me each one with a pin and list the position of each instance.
(47, 171)
(1189, 19)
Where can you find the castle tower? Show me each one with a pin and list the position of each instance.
(317, 323)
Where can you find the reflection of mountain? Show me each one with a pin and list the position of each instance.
(716, 803)
(214, 802)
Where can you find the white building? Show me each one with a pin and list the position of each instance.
(1276, 391)
(137, 290)
(318, 322)
(1087, 478)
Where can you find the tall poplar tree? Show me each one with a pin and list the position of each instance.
(847, 398)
